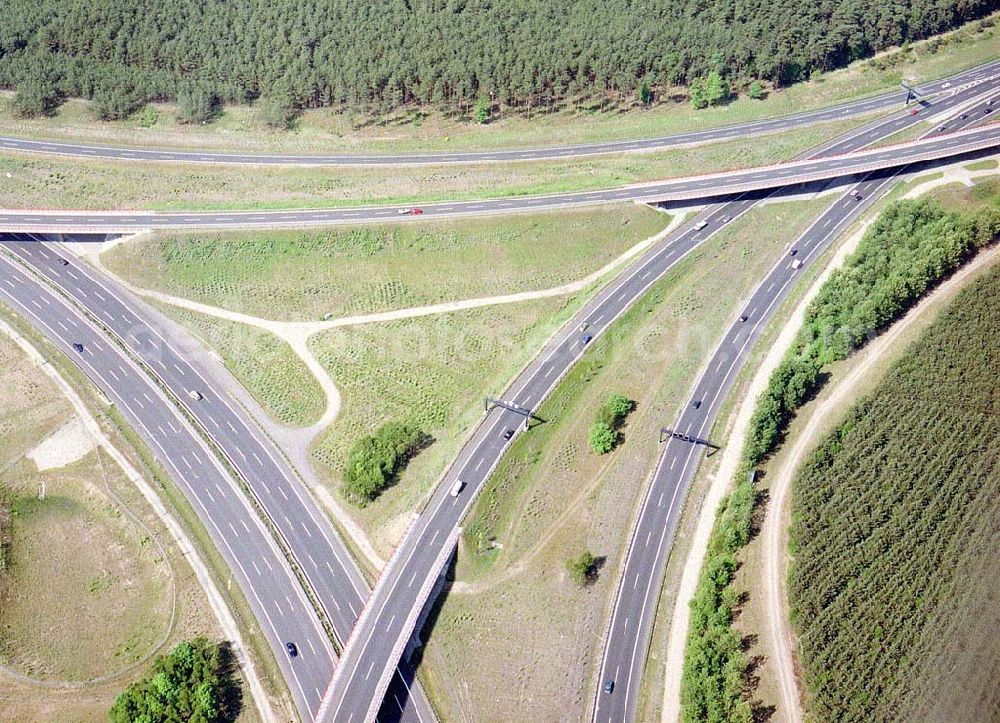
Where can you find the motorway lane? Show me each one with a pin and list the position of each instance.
(629, 632)
(882, 102)
(173, 357)
(274, 595)
(375, 641)
(691, 188)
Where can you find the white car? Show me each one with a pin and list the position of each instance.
(457, 487)
(194, 394)
(402, 212)
(700, 225)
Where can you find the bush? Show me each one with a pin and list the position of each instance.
(482, 109)
(374, 462)
(193, 683)
(279, 111)
(756, 90)
(583, 569)
(602, 438)
(197, 104)
(608, 419)
(115, 103)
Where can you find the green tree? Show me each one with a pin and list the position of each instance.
(36, 96)
(699, 99)
(279, 110)
(197, 104)
(583, 569)
(602, 437)
(716, 89)
(482, 109)
(645, 93)
(375, 461)
(756, 90)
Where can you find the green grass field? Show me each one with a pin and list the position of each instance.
(551, 498)
(894, 518)
(414, 129)
(38, 182)
(264, 364)
(305, 275)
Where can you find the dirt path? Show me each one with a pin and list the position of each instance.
(781, 640)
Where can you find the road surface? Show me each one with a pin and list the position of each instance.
(646, 559)
(677, 189)
(176, 360)
(375, 642)
(882, 102)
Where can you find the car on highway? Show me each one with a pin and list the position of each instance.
(987, 111)
(700, 225)
(507, 434)
(796, 265)
(61, 261)
(78, 347)
(584, 325)
(457, 487)
(587, 338)
(793, 251)
(725, 219)
(914, 111)
(195, 394)
(696, 404)
(409, 211)
(963, 116)
(609, 686)
(743, 317)
(293, 652)
(858, 196)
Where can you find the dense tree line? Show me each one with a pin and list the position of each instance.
(911, 247)
(895, 524)
(193, 683)
(450, 53)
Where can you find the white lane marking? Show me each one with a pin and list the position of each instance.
(180, 371)
(235, 533)
(480, 463)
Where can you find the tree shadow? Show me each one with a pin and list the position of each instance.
(594, 571)
(230, 694)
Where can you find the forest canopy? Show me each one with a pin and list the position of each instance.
(380, 54)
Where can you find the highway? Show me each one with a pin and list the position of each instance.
(678, 189)
(176, 360)
(387, 619)
(258, 566)
(650, 542)
(882, 102)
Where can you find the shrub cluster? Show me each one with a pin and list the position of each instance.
(604, 432)
(374, 461)
(583, 569)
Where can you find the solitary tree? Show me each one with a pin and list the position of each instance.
(602, 437)
(482, 109)
(756, 90)
(645, 93)
(716, 89)
(583, 569)
(699, 99)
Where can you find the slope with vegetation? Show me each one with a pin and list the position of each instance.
(125, 53)
(910, 248)
(894, 523)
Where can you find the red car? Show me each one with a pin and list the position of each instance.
(416, 211)
(914, 111)
(410, 211)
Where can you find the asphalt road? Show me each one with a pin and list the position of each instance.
(882, 102)
(629, 632)
(376, 639)
(177, 362)
(274, 595)
(689, 188)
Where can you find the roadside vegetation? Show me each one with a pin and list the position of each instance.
(911, 247)
(193, 683)
(123, 54)
(583, 569)
(39, 182)
(308, 275)
(550, 498)
(375, 461)
(605, 433)
(893, 516)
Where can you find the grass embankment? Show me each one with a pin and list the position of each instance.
(89, 601)
(911, 247)
(308, 275)
(242, 128)
(90, 184)
(894, 517)
(552, 497)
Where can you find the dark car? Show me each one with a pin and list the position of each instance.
(609, 686)
(743, 317)
(61, 261)
(963, 116)
(587, 338)
(858, 196)
(793, 252)
(987, 111)
(293, 652)
(696, 403)
(508, 433)
(78, 347)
